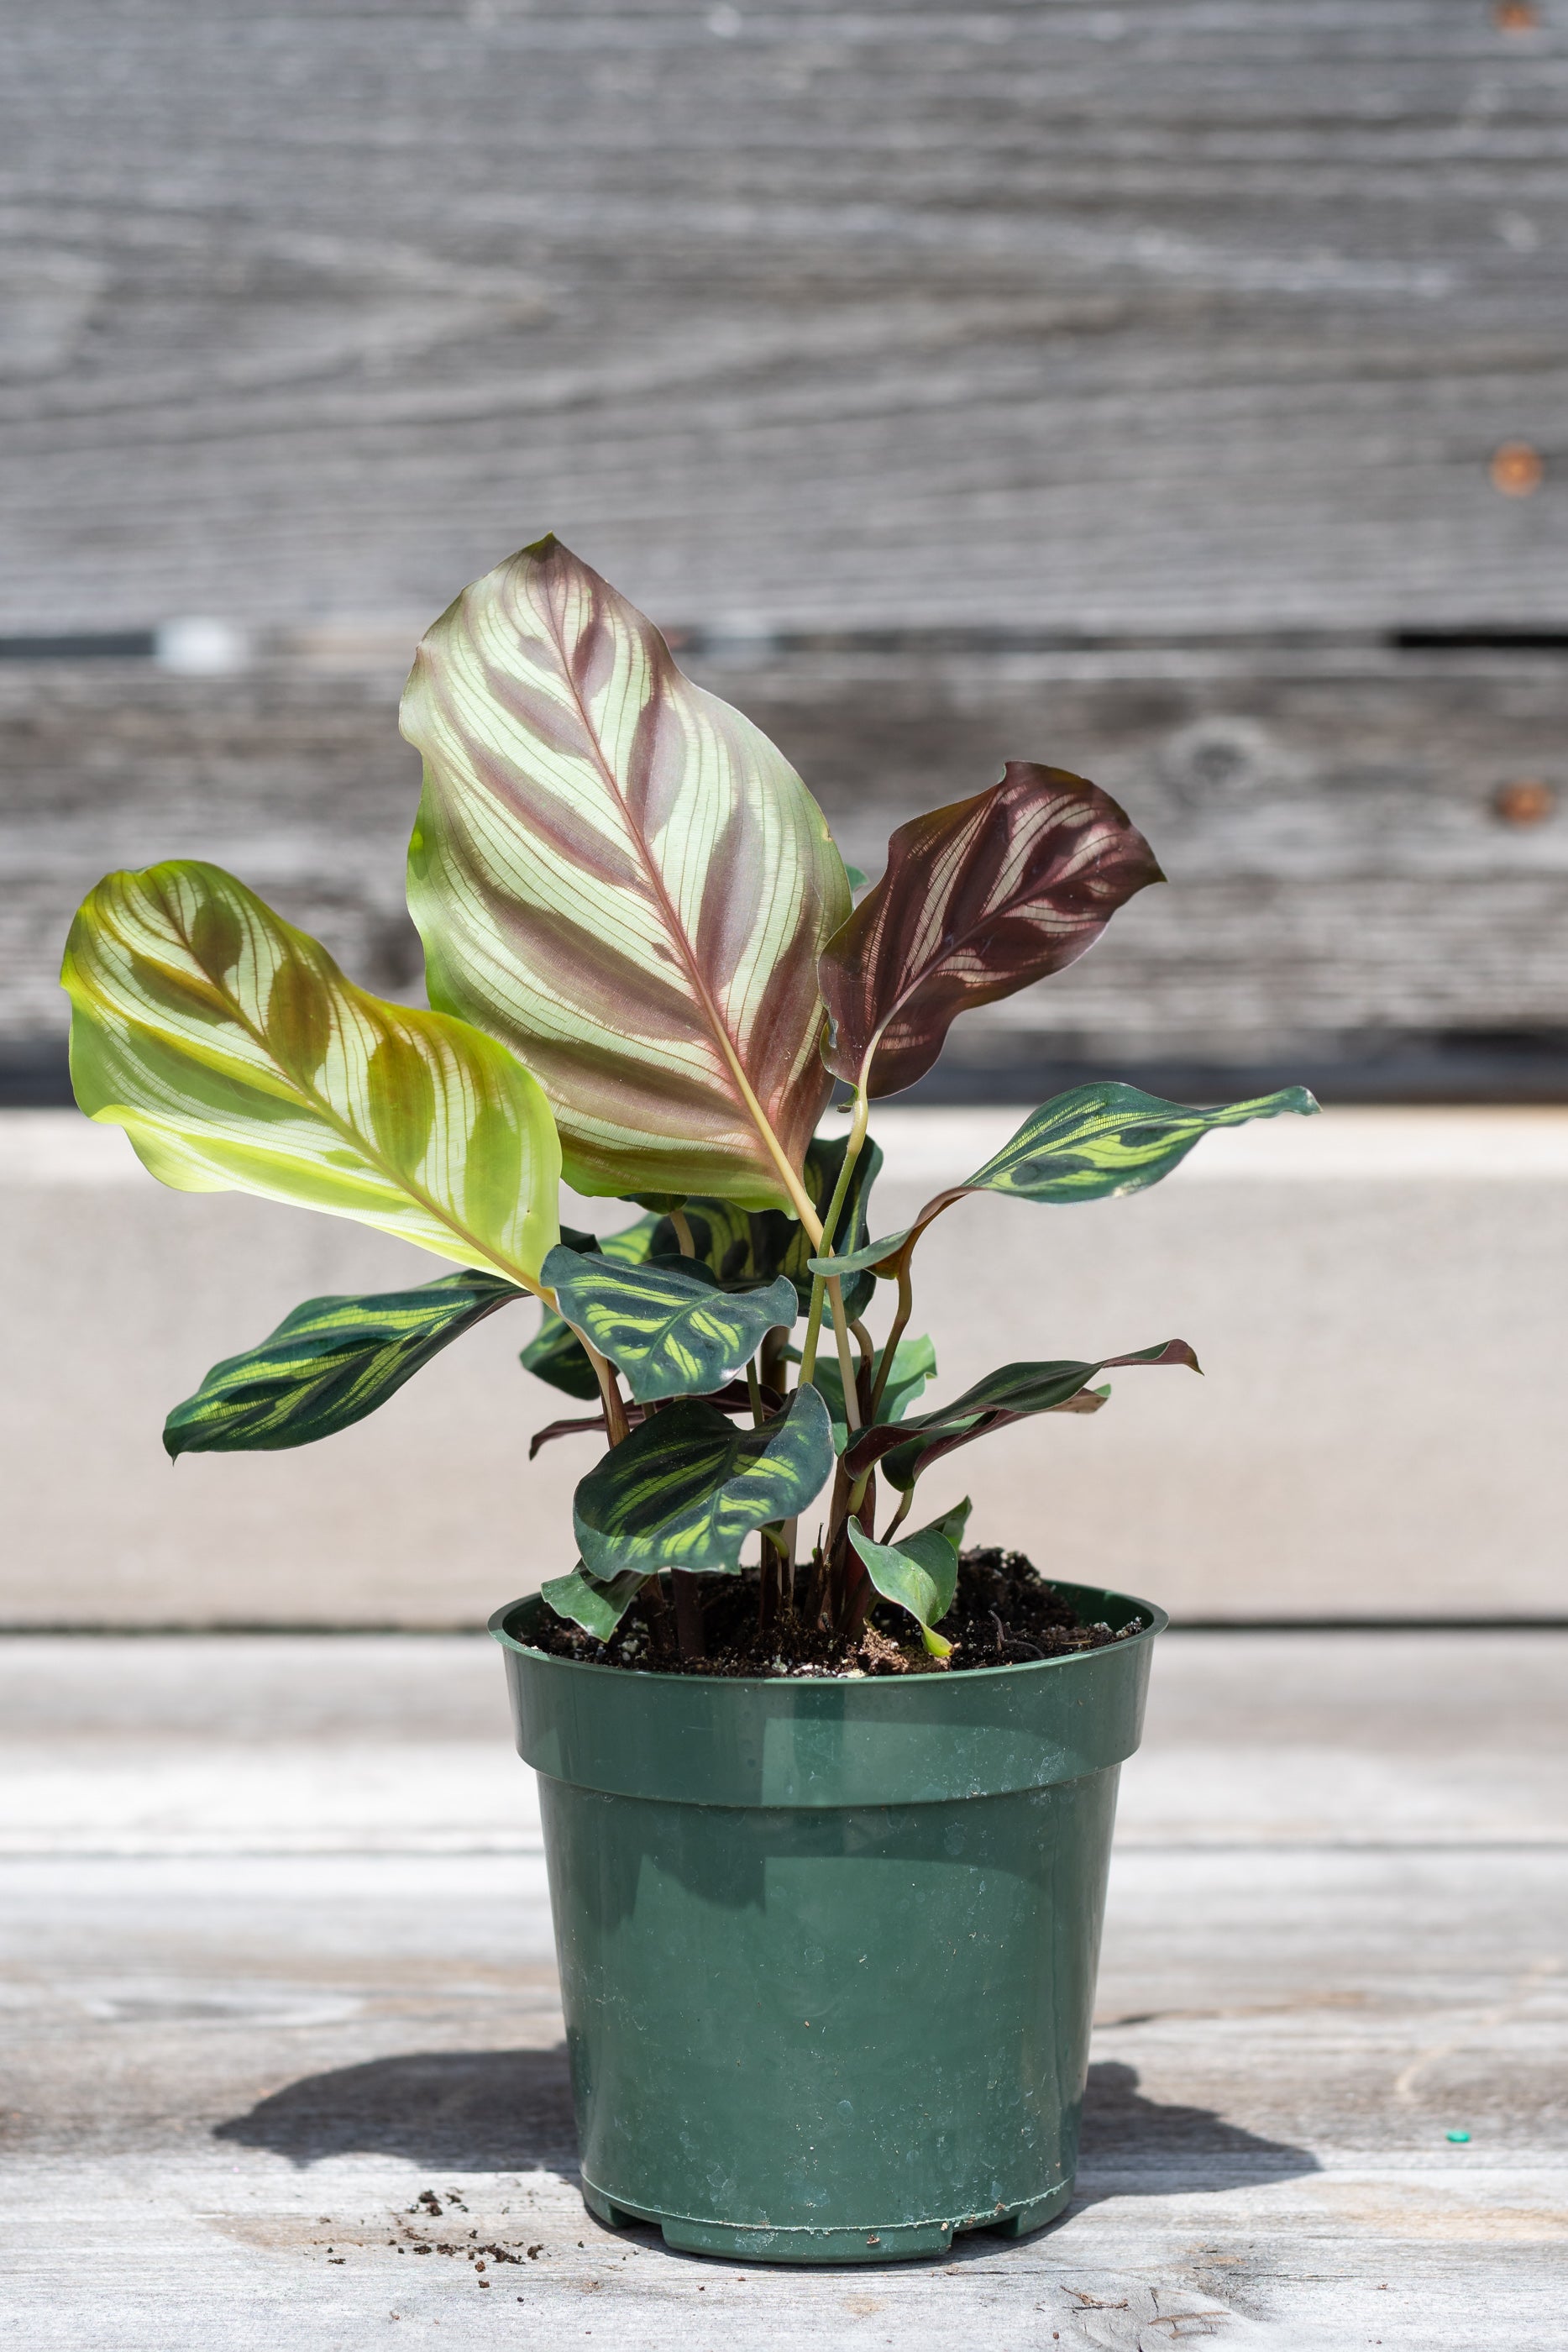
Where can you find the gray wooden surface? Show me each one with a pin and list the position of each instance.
(1345, 899)
(277, 1959)
(1136, 316)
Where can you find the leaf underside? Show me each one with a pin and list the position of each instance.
(666, 1323)
(687, 1487)
(1013, 1392)
(622, 878)
(236, 1057)
(979, 899)
(329, 1364)
(583, 1600)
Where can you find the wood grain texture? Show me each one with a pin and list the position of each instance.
(1340, 880)
(1155, 315)
(281, 1961)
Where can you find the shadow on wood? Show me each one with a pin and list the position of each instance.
(466, 2110)
(1133, 2146)
(510, 2111)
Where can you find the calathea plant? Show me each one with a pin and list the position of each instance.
(646, 973)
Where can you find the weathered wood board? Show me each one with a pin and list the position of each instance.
(1150, 315)
(1345, 903)
(242, 2036)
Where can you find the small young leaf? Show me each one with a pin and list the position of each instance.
(1013, 1392)
(328, 1364)
(978, 900)
(854, 878)
(913, 1363)
(920, 1572)
(686, 1488)
(667, 1324)
(555, 1353)
(585, 1601)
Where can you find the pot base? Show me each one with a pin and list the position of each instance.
(899, 2242)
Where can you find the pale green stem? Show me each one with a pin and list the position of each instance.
(898, 1517)
(753, 1390)
(846, 1360)
(900, 1324)
(824, 1249)
(683, 1233)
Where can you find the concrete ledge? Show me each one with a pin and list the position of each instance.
(1378, 1299)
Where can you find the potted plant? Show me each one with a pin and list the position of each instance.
(829, 1818)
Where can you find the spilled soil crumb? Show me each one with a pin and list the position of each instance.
(1004, 1614)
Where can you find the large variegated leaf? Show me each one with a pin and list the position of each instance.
(620, 877)
(1089, 1144)
(978, 900)
(328, 1364)
(919, 1572)
(584, 1600)
(686, 1488)
(236, 1057)
(1011, 1393)
(555, 1353)
(668, 1325)
(753, 1246)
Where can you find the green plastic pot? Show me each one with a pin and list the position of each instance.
(828, 1947)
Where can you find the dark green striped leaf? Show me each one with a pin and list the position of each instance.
(555, 1353)
(328, 1364)
(1089, 1144)
(920, 1572)
(582, 1600)
(668, 1325)
(686, 1488)
(1013, 1392)
(1107, 1139)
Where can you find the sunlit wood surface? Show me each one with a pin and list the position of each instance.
(277, 1960)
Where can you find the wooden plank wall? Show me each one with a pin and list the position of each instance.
(1119, 383)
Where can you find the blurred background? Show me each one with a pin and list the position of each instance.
(1172, 393)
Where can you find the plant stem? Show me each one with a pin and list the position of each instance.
(616, 1425)
(898, 1517)
(753, 1390)
(688, 1613)
(824, 1249)
(900, 1324)
(683, 1233)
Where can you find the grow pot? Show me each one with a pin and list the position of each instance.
(828, 1946)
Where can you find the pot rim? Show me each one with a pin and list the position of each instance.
(1157, 1619)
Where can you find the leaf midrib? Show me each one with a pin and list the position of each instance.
(677, 929)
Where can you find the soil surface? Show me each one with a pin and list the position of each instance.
(1003, 1615)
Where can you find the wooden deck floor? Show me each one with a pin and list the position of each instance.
(277, 1959)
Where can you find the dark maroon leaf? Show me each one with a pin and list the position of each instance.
(978, 900)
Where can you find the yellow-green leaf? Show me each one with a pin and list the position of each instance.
(622, 878)
(237, 1058)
